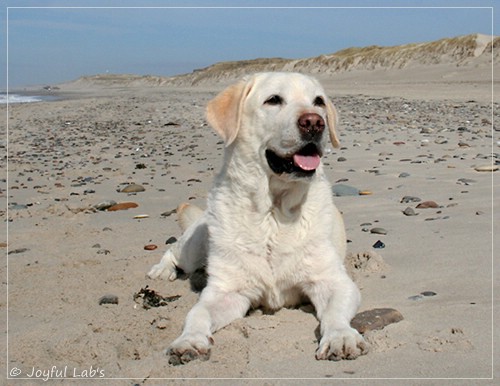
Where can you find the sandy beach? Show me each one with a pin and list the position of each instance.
(75, 268)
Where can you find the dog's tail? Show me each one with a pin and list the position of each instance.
(188, 214)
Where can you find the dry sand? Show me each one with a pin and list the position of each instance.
(67, 156)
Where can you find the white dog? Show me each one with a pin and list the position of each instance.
(271, 235)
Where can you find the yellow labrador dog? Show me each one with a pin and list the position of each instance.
(271, 235)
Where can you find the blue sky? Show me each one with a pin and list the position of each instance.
(48, 45)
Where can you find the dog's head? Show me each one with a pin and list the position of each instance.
(282, 118)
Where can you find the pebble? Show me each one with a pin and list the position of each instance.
(486, 168)
(404, 175)
(133, 188)
(365, 193)
(427, 205)
(150, 247)
(466, 181)
(375, 319)
(168, 213)
(171, 240)
(108, 299)
(105, 205)
(379, 245)
(141, 216)
(18, 250)
(340, 190)
(14, 206)
(407, 199)
(421, 295)
(341, 159)
(378, 231)
(122, 206)
(409, 212)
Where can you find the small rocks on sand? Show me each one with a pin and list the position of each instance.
(379, 245)
(108, 299)
(122, 206)
(407, 199)
(486, 168)
(409, 212)
(340, 190)
(171, 240)
(427, 205)
(133, 188)
(375, 319)
(378, 231)
(421, 295)
(105, 204)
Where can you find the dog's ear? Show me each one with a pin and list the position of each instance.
(224, 111)
(333, 121)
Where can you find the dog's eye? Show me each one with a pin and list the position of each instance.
(319, 101)
(274, 100)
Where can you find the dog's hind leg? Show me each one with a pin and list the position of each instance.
(188, 214)
(189, 253)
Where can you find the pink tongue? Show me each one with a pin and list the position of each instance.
(307, 162)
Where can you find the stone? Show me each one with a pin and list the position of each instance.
(379, 245)
(378, 231)
(486, 168)
(427, 205)
(375, 319)
(141, 216)
(409, 212)
(404, 175)
(407, 199)
(122, 206)
(108, 299)
(105, 205)
(171, 240)
(18, 250)
(466, 181)
(133, 188)
(150, 247)
(340, 190)
(341, 159)
(365, 193)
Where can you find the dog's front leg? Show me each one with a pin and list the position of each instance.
(214, 310)
(336, 301)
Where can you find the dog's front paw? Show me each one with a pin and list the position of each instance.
(166, 268)
(186, 349)
(345, 343)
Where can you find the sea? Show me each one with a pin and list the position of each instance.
(25, 98)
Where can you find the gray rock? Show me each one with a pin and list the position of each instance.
(466, 181)
(340, 190)
(105, 205)
(404, 175)
(407, 199)
(409, 212)
(108, 299)
(378, 231)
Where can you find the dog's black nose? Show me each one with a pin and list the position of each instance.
(311, 124)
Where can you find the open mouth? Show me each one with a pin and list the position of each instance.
(303, 163)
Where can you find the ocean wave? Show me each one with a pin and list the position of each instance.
(16, 98)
